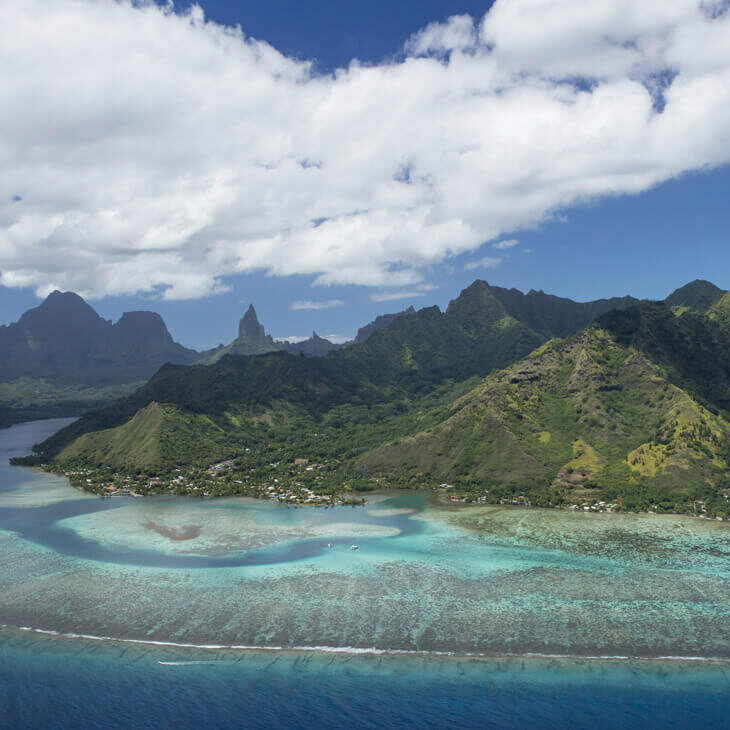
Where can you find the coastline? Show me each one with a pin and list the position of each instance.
(369, 651)
(323, 649)
(353, 651)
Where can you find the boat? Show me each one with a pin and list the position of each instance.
(354, 547)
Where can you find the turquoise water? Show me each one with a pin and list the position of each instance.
(435, 620)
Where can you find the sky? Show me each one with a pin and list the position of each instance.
(332, 161)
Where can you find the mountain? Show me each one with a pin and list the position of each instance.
(553, 316)
(700, 295)
(64, 339)
(632, 407)
(252, 340)
(721, 310)
(315, 345)
(61, 358)
(413, 355)
(379, 323)
(416, 354)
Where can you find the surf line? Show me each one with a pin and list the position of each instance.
(373, 651)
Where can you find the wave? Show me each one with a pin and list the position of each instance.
(198, 661)
(357, 650)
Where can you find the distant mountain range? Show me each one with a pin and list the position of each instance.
(62, 359)
(527, 396)
(253, 340)
(64, 339)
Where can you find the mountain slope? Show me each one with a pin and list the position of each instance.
(143, 442)
(553, 316)
(699, 295)
(593, 414)
(410, 357)
(61, 358)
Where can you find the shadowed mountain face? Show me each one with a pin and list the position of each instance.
(65, 340)
(699, 295)
(553, 316)
(249, 327)
(379, 323)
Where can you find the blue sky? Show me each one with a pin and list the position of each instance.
(597, 194)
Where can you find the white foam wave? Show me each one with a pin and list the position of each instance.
(353, 650)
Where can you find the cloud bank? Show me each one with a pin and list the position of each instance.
(148, 151)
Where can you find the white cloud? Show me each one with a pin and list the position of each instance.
(457, 32)
(329, 304)
(488, 262)
(389, 296)
(504, 245)
(292, 339)
(157, 152)
(337, 339)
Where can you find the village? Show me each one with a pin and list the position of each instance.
(296, 482)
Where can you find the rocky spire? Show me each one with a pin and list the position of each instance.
(249, 325)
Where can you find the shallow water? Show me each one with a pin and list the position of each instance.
(428, 579)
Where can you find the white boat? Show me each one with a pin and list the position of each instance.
(354, 547)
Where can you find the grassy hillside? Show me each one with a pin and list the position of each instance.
(145, 441)
(590, 417)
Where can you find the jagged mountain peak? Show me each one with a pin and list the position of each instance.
(249, 325)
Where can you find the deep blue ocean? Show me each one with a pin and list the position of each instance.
(47, 682)
(59, 681)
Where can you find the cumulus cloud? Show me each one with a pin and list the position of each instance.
(488, 262)
(144, 150)
(328, 304)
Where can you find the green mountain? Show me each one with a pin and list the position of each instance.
(721, 310)
(143, 442)
(633, 407)
(412, 356)
(415, 354)
(379, 323)
(699, 295)
(553, 316)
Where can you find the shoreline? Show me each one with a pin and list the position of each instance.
(437, 497)
(351, 651)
